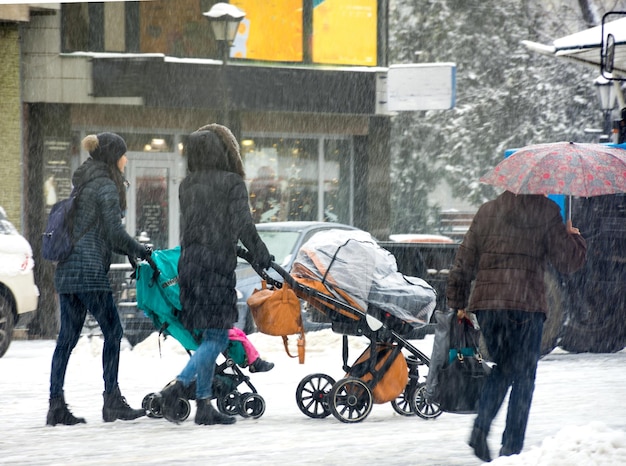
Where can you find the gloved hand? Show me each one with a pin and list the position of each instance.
(146, 253)
(265, 261)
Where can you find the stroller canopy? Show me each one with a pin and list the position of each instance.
(353, 262)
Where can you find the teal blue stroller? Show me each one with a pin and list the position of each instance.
(158, 297)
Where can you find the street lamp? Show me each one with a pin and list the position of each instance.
(224, 19)
(606, 95)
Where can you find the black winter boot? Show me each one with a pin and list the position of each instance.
(116, 407)
(506, 451)
(478, 441)
(59, 414)
(259, 365)
(173, 406)
(206, 414)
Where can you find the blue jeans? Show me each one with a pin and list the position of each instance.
(201, 365)
(74, 309)
(513, 340)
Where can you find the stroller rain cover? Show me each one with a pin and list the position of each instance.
(352, 261)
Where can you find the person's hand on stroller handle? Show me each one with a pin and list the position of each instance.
(266, 262)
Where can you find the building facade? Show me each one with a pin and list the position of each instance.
(299, 93)
(11, 153)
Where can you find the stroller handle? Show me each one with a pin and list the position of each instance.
(155, 270)
(249, 258)
(133, 263)
(284, 274)
(153, 265)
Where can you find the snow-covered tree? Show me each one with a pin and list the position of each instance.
(507, 95)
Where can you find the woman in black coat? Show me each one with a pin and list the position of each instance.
(81, 280)
(215, 215)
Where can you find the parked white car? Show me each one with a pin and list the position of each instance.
(18, 293)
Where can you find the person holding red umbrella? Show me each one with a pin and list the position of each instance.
(502, 261)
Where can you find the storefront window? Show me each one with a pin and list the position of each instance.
(141, 142)
(298, 179)
(338, 184)
(151, 205)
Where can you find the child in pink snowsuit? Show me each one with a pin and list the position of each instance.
(255, 363)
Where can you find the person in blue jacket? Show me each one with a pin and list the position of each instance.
(82, 281)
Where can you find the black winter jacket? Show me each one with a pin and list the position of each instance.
(99, 213)
(215, 215)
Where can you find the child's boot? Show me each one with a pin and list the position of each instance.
(259, 365)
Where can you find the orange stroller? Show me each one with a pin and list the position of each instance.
(347, 277)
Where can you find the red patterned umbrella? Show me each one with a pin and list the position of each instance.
(582, 170)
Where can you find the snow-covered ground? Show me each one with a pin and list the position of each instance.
(578, 415)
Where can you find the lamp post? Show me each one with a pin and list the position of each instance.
(224, 19)
(606, 95)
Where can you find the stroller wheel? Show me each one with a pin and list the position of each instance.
(152, 405)
(180, 411)
(421, 406)
(252, 405)
(350, 400)
(229, 404)
(312, 395)
(402, 404)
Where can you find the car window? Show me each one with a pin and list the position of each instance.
(280, 243)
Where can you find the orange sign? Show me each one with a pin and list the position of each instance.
(344, 31)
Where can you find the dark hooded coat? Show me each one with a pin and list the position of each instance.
(506, 251)
(215, 215)
(99, 215)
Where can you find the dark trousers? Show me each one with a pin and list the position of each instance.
(513, 340)
(74, 309)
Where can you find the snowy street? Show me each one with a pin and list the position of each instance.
(578, 415)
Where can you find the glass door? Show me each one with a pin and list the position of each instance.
(153, 210)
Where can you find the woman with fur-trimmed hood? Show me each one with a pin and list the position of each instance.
(215, 216)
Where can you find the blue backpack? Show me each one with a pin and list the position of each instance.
(57, 242)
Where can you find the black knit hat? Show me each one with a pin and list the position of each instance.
(109, 149)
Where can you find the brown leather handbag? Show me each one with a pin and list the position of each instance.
(276, 311)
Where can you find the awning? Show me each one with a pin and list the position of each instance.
(586, 47)
(168, 82)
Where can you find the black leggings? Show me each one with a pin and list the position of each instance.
(74, 309)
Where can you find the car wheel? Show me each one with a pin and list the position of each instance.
(596, 323)
(6, 324)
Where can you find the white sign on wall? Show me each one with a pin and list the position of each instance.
(424, 86)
